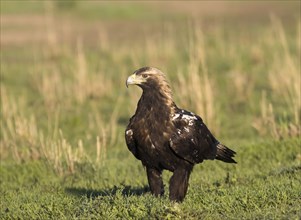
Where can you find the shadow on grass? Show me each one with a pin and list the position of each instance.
(125, 191)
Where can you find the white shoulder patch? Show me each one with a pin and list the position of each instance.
(189, 117)
(129, 132)
(175, 116)
(184, 116)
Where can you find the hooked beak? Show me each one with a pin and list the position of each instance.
(134, 80)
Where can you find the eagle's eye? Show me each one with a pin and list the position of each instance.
(144, 76)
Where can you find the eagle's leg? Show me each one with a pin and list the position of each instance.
(155, 181)
(178, 184)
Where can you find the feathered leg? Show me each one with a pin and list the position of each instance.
(179, 184)
(155, 181)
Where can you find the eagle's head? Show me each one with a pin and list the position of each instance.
(154, 85)
(148, 78)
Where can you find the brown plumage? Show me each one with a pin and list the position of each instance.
(165, 137)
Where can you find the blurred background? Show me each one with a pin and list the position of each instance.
(64, 66)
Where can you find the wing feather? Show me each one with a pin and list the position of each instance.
(130, 142)
(192, 140)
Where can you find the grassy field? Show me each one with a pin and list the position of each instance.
(64, 106)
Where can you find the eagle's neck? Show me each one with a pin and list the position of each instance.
(156, 104)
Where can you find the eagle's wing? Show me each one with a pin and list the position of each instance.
(130, 141)
(192, 140)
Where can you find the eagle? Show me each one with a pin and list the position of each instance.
(165, 137)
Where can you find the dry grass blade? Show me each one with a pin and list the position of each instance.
(196, 88)
(284, 80)
(24, 140)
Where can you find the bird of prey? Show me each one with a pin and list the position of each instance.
(165, 137)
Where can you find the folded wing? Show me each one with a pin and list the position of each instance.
(192, 140)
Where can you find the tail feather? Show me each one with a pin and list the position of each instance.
(225, 154)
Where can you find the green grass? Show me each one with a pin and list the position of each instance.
(265, 184)
(64, 107)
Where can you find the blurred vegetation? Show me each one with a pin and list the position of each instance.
(64, 106)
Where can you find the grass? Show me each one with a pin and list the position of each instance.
(251, 190)
(64, 107)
